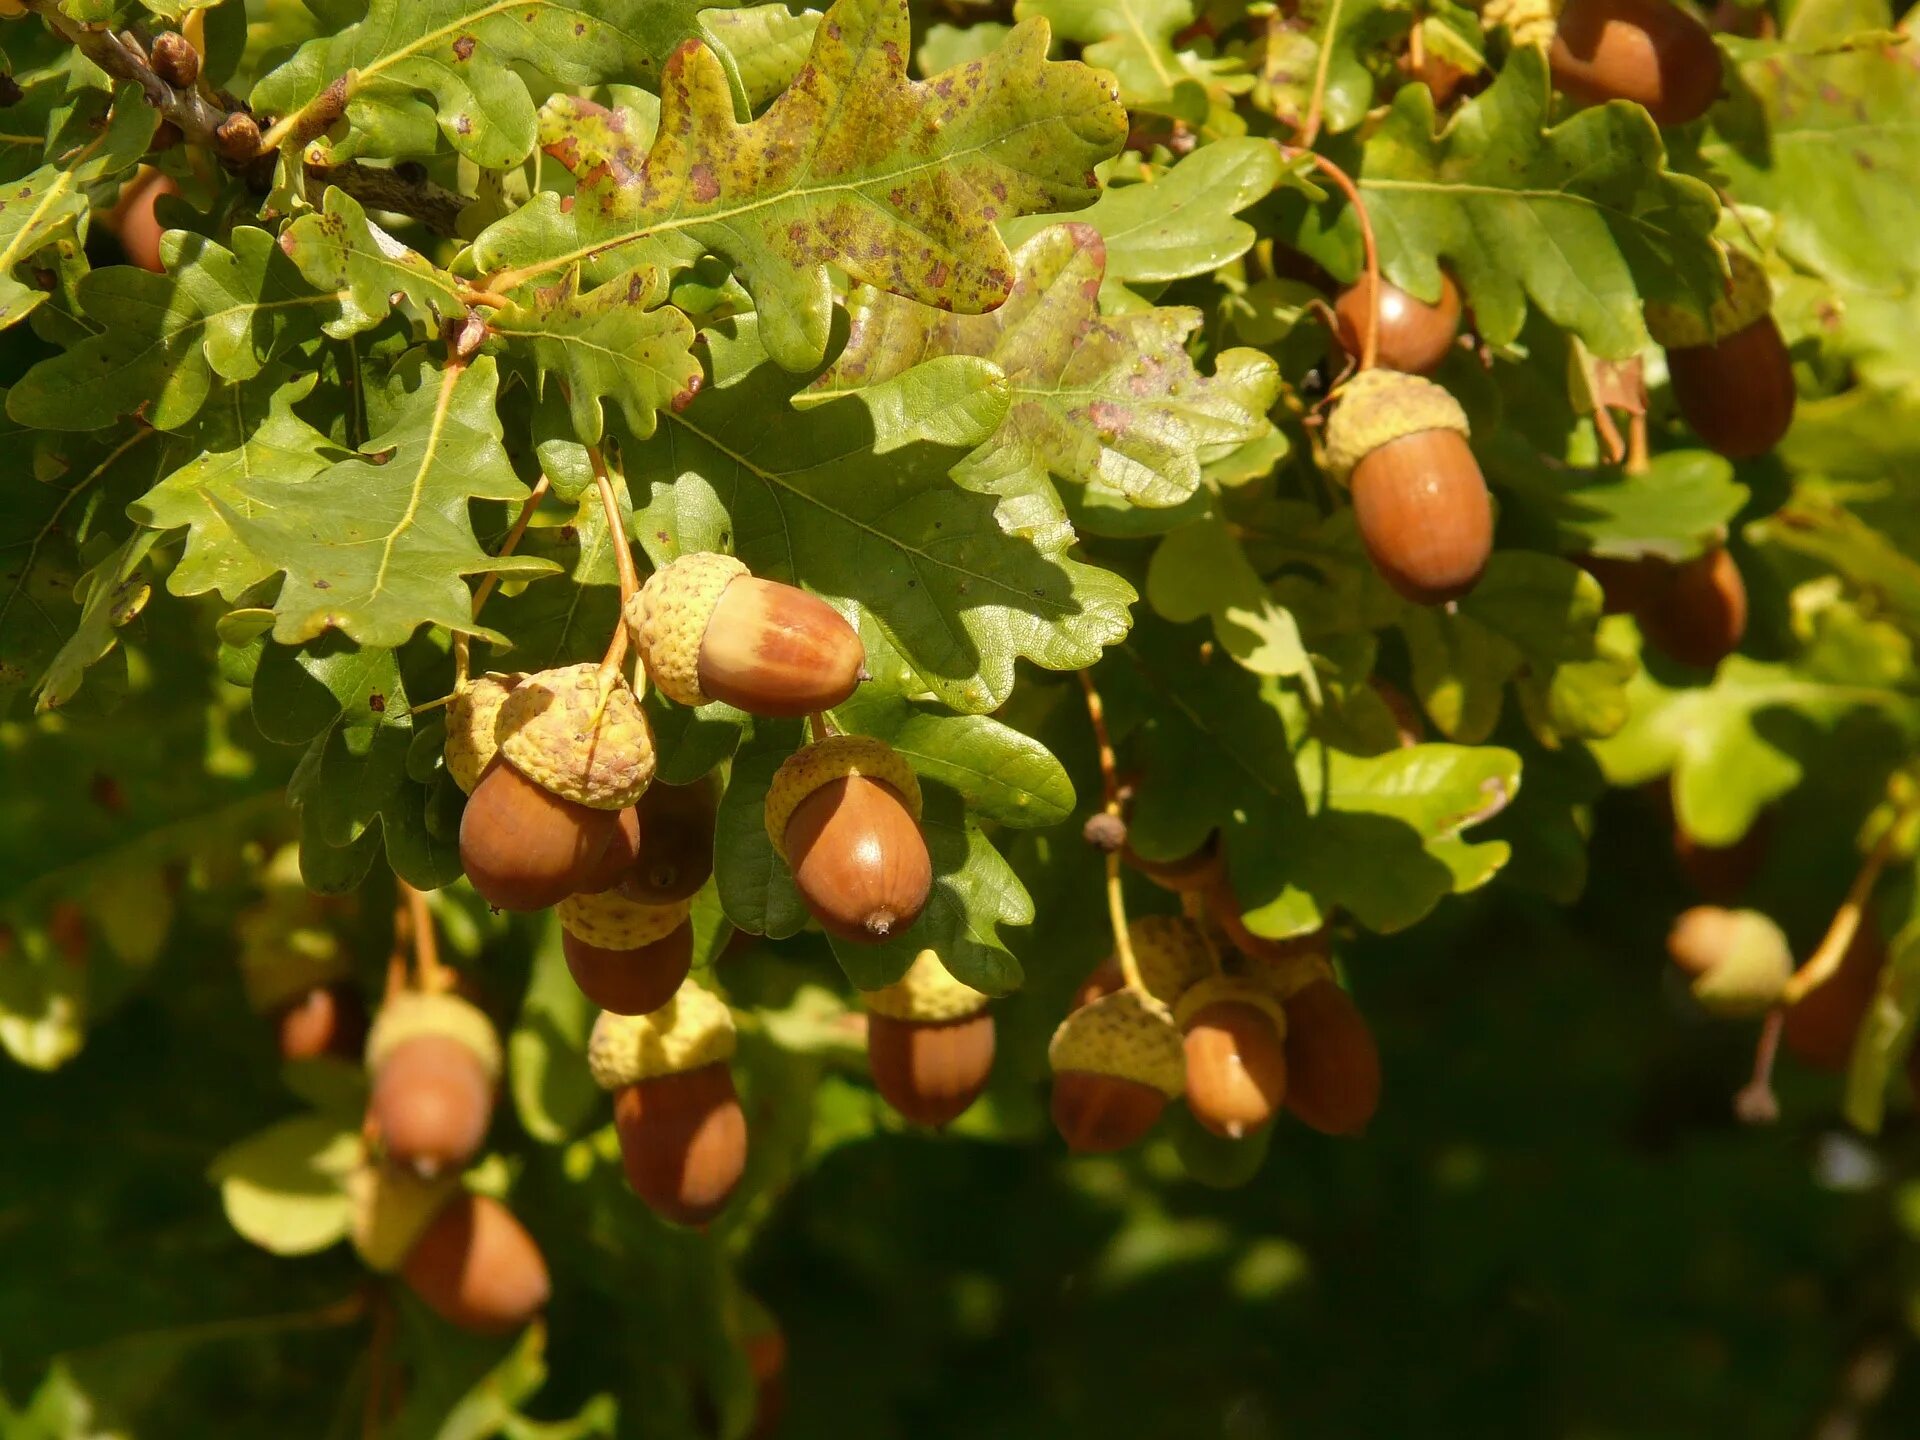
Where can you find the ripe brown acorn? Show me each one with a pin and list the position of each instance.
(1236, 1062)
(1195, 873)
(1399, 443)
(132, 219)
(1098, 1114)
(1822, 1024)
(706, 630)
(844, 813)
(524, 847)
(1413, 336)
(435, 1060)
(326, 1020)
(1647, 51)
(1333, 1064)
(676, 843)
(476, 1266)
(630, 982)
(1699, 612)
(1731, 375)
(683, 1135)
(617, 859)
(930, 1042)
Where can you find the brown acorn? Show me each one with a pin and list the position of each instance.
(1236, 1062)
(844, 813)
(1646, 51)
(706, 630)
(1700, 611)
(683, 1135)
(630, 982)
(617, 859)
(676, 843)
(435, 1060)
(1822, 1024)
(930, 1042)
(1399, 443)
(1732, 378)
(1115, 1065)
(326, 1020)
(1413, 336)
(133, 222)
(1193, 873)
(524, 847)
(1333, 1064)
(476, 1266)
(1103, 979)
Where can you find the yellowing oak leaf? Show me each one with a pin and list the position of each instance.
(854, 167)
(1110, 401)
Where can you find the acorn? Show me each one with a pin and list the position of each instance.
(929, 1042)
(1646, 51)
(1699, 613)
(707, 630)
(1822, 1024)
(1333, 1064)
(683, 1136)
(625, 957)
(574, 751)
(435, 1061)
(844, 814)
(618, 857)
(1399, 444)
(1189, 874)
(476, 1266)
(1236, 1062)
(326, 1020)
(676, 843)
(1103, 979)
(1115, 1065)
(132, 221)
(1731, 375)
(1739, 959)
(1413, 336)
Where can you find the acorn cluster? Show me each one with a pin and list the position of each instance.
(565, 812)
(1239, 1025)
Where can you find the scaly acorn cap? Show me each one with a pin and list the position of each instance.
(693, 1029)
(613, 922)
(1230, 990)
(1528, 22)
(926, 993)
(580, 733)
(668, 619)
(412, 1014)
(1750, 972)
(392, 1207)
(473, 716)
(1125, 1034)
(1171, 953)
(1285, 978)
(1378, 407)
(1749, 297)
(825, 761)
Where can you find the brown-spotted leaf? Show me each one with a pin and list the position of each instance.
(854, 167)
(1109, 401)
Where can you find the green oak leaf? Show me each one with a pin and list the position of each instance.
(338, 249)
(165, 338)
(1582, 218)
(1201, 569)
(379, 544)
(563, 619)
(855, 167)
(110, 595)
(1816, 522)
(932, 573)
(1112, 402)
(1308, 828)
(284, 1189)
(466, 59)
(1349, 32)
(1678, 507)
(1182, 222)
(764, 46)
(1135, 40)
(553, 1091)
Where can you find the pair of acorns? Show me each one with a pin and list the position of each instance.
(435, 1065)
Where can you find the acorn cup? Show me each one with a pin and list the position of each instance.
(930, 1042)
(683, 1136)
(1116, 1063)
(1235, 1058)
(1399, 444)
(708, 630)
(676, 843)
(574, 751)
(1731, 375)
(1413, 336)
(1333, 1064)
(626, 957)
(844, 814)
(435, 1061)
(1646, 51)
(465, 1255)
(1739, 959)
(473, 719)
